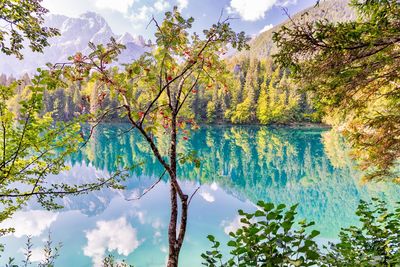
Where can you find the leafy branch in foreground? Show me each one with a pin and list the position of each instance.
(20, 21)
(271, 237)
(33, 146)
(353, 69)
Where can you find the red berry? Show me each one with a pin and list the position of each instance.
(78, 57)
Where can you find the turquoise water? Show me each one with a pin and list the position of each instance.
(239, 165)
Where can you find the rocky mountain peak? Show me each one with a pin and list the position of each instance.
(76, 33)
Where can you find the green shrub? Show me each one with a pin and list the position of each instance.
(271, 237)
(267, 238)
(375, 243)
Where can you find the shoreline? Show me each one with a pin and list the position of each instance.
(292, 125)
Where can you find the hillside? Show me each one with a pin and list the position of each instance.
(262, 45)
(265, 93)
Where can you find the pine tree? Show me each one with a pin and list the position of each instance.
(263, 104)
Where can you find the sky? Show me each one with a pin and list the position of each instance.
(133, 16)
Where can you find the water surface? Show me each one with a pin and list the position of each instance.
(239, 165)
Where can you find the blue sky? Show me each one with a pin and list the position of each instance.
(133, 15)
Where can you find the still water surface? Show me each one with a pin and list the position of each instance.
(239, 165)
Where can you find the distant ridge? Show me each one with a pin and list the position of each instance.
(263, 47)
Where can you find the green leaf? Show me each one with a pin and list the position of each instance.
(231, 243)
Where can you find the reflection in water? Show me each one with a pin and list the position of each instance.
(116, 235)
(239, 165)
(32, 223)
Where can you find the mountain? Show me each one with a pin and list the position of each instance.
(91, 27)
(263, 47)
(75, 35)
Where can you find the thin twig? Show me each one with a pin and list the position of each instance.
(148, 189)
(195, 191)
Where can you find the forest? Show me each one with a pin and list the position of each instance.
(256, 92)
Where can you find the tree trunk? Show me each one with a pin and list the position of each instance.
(175, 242)
(173, 249)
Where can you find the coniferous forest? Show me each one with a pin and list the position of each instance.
(257, 92)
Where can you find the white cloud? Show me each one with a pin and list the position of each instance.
(145, 12)
(111, 235)
(214, 186)
(157, 224)
(207, 196)
(141, 216)
(285, 3)
(70, 8)
(164, 249)
(157, 234)
(233, 225)
(161, 5)
(32, 223)
(266, 28)
(38, 255)
(182, 4)
(252, 10)
(121, 6)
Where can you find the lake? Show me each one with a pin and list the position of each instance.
(239, 165)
